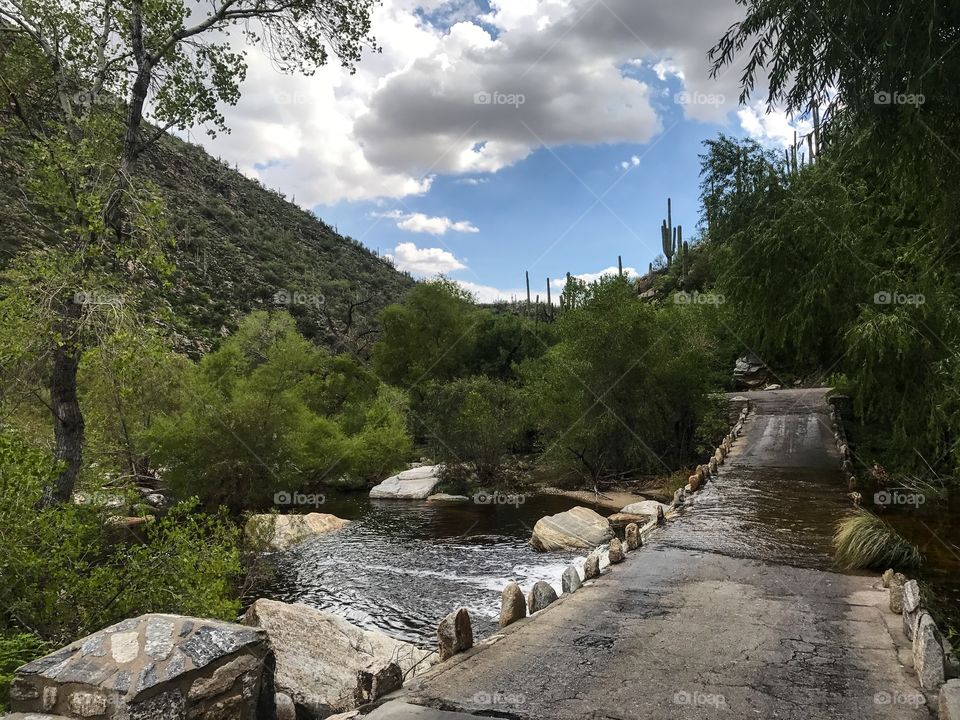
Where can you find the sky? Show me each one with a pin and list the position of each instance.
(493, 137)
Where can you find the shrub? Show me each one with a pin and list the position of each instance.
(473, 421)
(269, 411)
(65, 575)
(864, 541)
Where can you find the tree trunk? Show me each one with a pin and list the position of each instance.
(67, 418)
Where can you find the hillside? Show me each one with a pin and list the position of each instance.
(239, 247)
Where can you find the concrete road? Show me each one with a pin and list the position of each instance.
(729, 612)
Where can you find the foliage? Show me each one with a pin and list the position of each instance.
(66, 556)
(474, 421)
(125, 382)
(431, 336)
(863, 540)
(16, 649)
(625, 386)
(269, 412)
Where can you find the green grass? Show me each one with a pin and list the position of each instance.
(864, 541)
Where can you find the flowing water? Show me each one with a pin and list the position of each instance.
(402, 565)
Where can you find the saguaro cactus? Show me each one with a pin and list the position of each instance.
(670, 236)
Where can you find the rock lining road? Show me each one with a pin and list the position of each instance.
(713, 618)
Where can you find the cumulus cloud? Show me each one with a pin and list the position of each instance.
(424, 261)
(632, 162)
(589, 277)
(421, 223)
(772, 128)
(491, 294)
(457, 90)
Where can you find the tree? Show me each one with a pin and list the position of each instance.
(269, 412)
(430, 336)
(622, 391)
(93, 84)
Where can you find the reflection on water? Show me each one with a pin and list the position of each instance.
(402, 565)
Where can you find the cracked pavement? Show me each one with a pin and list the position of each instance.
(715, 617)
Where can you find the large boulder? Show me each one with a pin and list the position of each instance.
(325, 664)
(414, 484)
(513, 606)
(153, 667)
(750, 372)
(541, 595)
(455, 634)
(576, 528)
(647, 508)
(279, 532)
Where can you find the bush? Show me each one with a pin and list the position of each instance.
(625, 387)
(473, 421)
(65, 575)
(270, 412)
(864, 541)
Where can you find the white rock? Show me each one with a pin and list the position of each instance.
(576, 528)
(645, 507)
(319, 655)
(414, 484)
(280, 532)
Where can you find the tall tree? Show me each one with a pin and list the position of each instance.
(93, 83)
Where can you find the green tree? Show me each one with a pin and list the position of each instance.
(268, 411)
(622, 391)
(473, 421)
(430, 336)
(80, 78)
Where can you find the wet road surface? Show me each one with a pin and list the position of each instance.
(731, 611)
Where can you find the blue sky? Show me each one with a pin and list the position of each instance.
(491, 138)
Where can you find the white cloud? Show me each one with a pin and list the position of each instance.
(632, 162)
(424, 261)
(421, 223)
(490, 294)
(560, 283)
(551, 71)
(772, 128)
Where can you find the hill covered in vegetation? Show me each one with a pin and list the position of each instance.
(238, 247)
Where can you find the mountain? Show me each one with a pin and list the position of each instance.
(239, 247)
